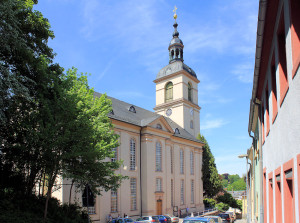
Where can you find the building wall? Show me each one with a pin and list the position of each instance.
(280, 143)
(147, 195)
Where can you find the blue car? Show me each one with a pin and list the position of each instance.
(198, 220)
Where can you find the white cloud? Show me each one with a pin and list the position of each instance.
(244, 72)
(213, 124)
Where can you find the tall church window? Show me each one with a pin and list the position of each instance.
(88, 200)
(181, 161)
(192, 162)
(181, 192)
(158, 185)
(158, 157)
(172, 159)
(192, 192)
(190, 95)
(114, 201)
(132, 194)
(169, 92)
(132, 154)
(172, 193)
(115, 158)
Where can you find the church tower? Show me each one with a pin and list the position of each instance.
(177, 88)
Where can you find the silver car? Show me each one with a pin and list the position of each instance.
(173, 218)
(147, 219)
(216, 218)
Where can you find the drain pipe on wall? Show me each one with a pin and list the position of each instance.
(141, 172)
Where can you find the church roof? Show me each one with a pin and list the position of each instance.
(142, 117)
(175, 67)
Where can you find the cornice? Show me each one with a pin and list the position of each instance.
(175, 74)
(175, 102)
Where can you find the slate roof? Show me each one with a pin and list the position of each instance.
(173, 68)
(142, 117)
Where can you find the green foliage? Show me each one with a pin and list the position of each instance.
(211, 180)
(234, 182)
(240, 204)
(237, 185)
(50, 122)
(227, 198)
(222, 207)
(28, 209)
(209, 202)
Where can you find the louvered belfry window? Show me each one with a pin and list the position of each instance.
(169, 92)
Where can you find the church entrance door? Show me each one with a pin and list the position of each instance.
(159, 206)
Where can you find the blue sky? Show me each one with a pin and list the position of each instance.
(123, 44)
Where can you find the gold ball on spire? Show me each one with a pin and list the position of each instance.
(175, 16)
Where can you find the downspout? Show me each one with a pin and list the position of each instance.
(141, 172)
(258, 52)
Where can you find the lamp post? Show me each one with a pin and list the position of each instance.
(246, 156)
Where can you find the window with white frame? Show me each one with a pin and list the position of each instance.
(181, 192)
(158, 157)
(132, 154)
(181, 161)
(115, 158)
(192, 162)
(114, 201)
(132, 194)
(192, 192)
(158, 184)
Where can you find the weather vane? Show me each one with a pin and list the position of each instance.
(175, 15)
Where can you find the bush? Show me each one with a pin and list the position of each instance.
(28, 209)
(209, 202)
(222, 207)
(227, 198)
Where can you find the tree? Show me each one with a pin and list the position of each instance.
(211, 180)
(227, 198)
(237, 185)
(50, 122)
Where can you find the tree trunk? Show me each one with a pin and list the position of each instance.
(71, 192)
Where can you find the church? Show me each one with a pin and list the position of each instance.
(162, 156)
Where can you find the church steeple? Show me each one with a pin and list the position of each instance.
(176, 45)
(177, 88)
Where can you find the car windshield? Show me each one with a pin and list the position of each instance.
(128, 220)
(145, 218)
(140, 219)
(224, 215)
(155, 217)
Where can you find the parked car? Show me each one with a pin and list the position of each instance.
(226, 217)
(232, 215)
(173, 218)
(147, 219)
(216, 218)
(163, 219)
(122, 220)
(198, 220)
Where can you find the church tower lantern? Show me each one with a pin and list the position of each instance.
(177, 88)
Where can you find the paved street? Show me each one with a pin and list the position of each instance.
(241, 221)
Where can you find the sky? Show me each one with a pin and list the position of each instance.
(123, 44)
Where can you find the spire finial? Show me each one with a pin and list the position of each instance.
(175, 15)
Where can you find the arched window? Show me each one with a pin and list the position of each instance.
(192, 162)
(158, 126)
(158, 157)
(169, 92)
(177, 53)
(133, 205)
(172, 54)
(190, 95)
(88, 199)
(132, 154)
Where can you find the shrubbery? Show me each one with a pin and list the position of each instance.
(28, 209)
(222, 207)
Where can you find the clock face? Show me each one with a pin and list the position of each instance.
(169, 112)
(192, 111)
